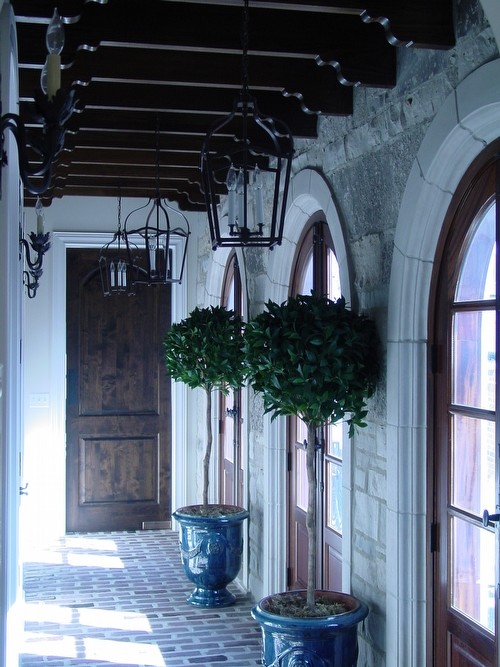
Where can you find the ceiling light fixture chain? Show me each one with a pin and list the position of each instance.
(245, 42)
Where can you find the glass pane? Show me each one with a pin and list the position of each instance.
(333, 276)
(301, 478)
(301, 431)
(334, 440)
(473, 464)
(477, 276)
(473, 572)
(474, 359)
(306, 280)
(230, 294)
(334, 496)
(228, 404)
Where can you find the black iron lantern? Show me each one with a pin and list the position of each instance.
(241, 153)
(116, 264)
(161, 239)
(160, 236)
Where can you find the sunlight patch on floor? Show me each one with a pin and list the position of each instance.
(130, 653)
(40, 612)
(52, 556)
(91, 560)
(92, 543)
(112, 651)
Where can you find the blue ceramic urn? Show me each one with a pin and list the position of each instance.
(211, 550)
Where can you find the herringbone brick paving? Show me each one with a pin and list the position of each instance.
(119, 600)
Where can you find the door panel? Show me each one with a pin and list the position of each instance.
(118, 405)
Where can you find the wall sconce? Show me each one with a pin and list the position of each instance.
(54, 107)
(39, 243)
(237, 151)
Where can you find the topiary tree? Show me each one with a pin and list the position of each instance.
(318, 360)
(206, 350)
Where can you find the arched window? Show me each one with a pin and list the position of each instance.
(465, 483)
(316, 270)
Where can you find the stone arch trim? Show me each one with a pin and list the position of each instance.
(467, 122)
(310, 193)
(492, 11)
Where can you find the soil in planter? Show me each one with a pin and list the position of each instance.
(210, 510)
(295, 605)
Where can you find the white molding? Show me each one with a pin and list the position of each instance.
(450, 145)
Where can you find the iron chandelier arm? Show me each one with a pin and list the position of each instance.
(54, 114)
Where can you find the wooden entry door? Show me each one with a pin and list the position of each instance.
(465, 545)
(118, 455)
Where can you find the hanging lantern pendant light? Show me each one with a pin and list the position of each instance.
(116, 264)
(235, 167)
(159, 237)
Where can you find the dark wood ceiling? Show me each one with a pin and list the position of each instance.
(176, 64)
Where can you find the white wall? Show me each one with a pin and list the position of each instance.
(75, 222)
(10, 375)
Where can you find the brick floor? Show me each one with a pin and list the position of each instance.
(119, 600)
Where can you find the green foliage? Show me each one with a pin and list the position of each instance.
(206, 349)
(314, 358)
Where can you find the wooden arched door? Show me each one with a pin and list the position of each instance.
(464, 549)
(316, 269)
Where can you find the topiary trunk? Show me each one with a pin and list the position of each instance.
(311, 514)
(208, 449)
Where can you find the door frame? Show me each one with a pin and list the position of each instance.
(60, 242)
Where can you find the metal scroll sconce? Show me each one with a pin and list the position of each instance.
(40, 244)
(54, 107)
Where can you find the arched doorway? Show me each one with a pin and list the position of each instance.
(450, 145)
(465, 428)
(316, 269)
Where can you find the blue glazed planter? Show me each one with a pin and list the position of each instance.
(211, 549)
(329, 641)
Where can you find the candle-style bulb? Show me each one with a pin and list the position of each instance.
(55, 34)
(50, 80)
(44, 76)
(39, 216)
(231, 190)
(258, 199)
(240, 192)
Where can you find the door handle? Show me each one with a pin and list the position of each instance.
(487, 517)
